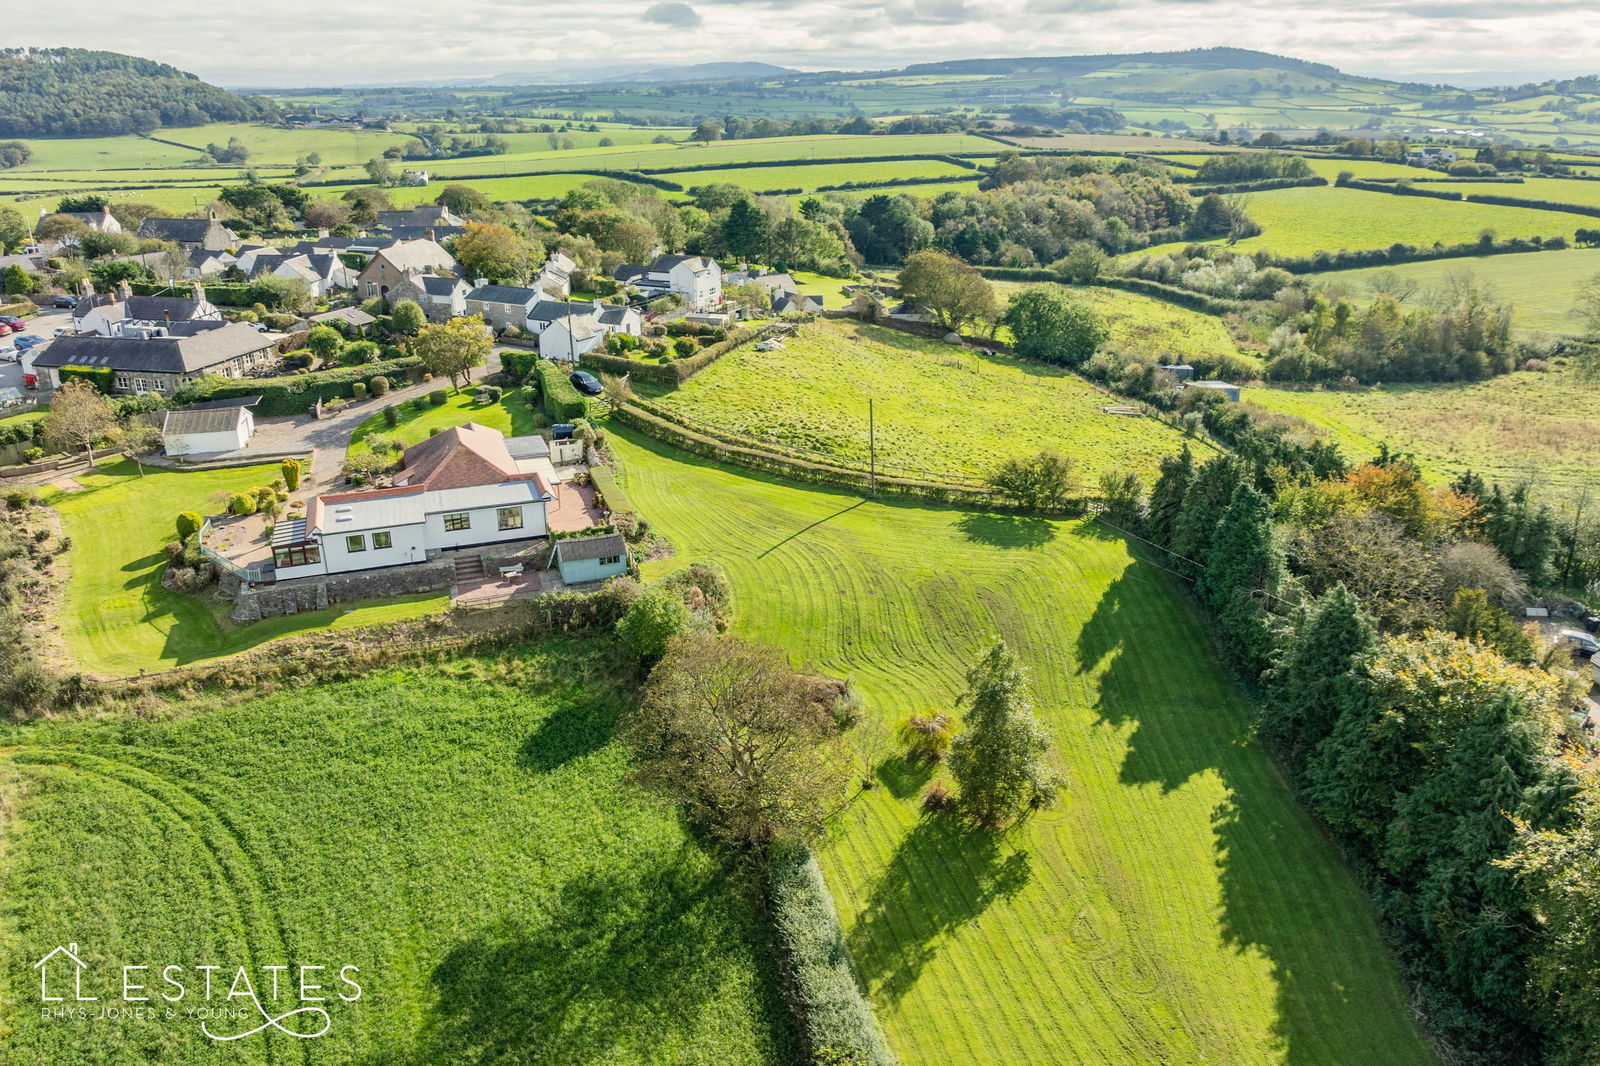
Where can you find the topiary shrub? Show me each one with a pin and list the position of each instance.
(358, 390)
(379, 386)
(241, 503)
(188, 524)
(391, 417)
(438, 397)
(684, 347)
(290, 471)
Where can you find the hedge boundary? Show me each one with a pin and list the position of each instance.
(670, 374)
(293, 394)
(1193, 301)
(561, 402)
(827, 999)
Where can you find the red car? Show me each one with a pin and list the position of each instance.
(12, 324)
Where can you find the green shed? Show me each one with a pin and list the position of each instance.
(584, 559)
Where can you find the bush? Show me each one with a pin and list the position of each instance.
(835, 1016)
(488, 394)
(391, 417)
(653, 620)
(359, 352)
(32, 688)
(438, 397)
(241, 503)
(358, 390)
(20, 499)
(684, 347)
(937, 798)
(188, 524)
(33, 455)
(291, 394)
(290, 472)
(379, 386)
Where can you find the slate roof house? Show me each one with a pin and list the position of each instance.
(440, 298)
(102, 220)
(697, 278)
(461, 488)
(786, 300)
(205, 233)
(388, 265)
(126, 315)
(161, 364)
(420, 215)
(502, 305)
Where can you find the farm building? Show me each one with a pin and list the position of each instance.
(1231, 391)
(583, 559)
(1181, 371)
(225, 426)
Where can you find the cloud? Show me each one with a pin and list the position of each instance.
(672, 13)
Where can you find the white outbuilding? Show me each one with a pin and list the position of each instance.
(209, 430)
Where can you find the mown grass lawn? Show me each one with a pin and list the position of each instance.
(1518, 427)
(117, 619)
(511, 416)
(938, 408)
(463, 834)
(1178, 907)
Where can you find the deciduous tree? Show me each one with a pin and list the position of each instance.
(1051, 326)
(79, 418)
(998, 759)
(453, 348)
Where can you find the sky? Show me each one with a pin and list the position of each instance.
(298, 43)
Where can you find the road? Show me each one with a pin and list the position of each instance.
(44, 324)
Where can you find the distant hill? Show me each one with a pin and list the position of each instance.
(1069, 66)
(74, 92)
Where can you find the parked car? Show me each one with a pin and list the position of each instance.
(585, 383)
(12, 323)
(63, 331)
(24, 341)
(68, 302)
(1582, 644)
(9, 354)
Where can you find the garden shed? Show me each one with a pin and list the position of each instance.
(592, 558)
(209, 430)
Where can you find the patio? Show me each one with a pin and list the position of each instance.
(574, 508)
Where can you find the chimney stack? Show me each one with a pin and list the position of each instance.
(428, 233)
(199, 292)
(124, 290)
(86, 287)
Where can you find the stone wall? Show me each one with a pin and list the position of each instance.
(317, 593)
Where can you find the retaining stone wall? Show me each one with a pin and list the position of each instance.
(317, 593)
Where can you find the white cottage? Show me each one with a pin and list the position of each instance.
(225, 426)
(460, 489)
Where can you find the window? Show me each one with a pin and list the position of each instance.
(382, 540)
(357, 543)
(454, 523)
(510, 517)
(610, 560)
(297, 555)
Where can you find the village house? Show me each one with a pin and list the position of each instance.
(160, 364)
(347, 318)
(420, 215)
(555, 277)
(440, 298)
(461, 488)
(125, 315)
(101, 221)
(389, 265)
(322, 272)
(697, 278)
(206, 233)
(502, 305)
(787, 300)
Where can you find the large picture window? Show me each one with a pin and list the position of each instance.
(454, 523)
(297, 555)
(510, 517)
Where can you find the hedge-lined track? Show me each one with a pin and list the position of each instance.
(1178, 907)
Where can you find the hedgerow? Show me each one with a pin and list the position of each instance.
(295, 393)
(562, 402)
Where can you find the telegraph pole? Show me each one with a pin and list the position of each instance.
(872, 447)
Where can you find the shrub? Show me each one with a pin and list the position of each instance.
(391, 417)
(562, 402)
(291, 473)
(33, 455)
(488, 394)
(241, 503)
(379, 386)
(835, 1015)
(32, 688)
(438, 397)
(358, 390)
(927, 737)
(20, 499)
(188, 524)
(937, 798)
(684, 347)
(653, 620)
(359, 352)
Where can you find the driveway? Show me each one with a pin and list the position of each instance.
(327, 439)
(44, 324)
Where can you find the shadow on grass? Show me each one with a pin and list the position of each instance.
(1007, 530)
(1285, 893)
(806, 529)
(904, 776)
(621, 960)
(571, 732)
(944, 874)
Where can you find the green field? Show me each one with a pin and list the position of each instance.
(1307, 220)
(1177, 907)
(1525, 425)
(1542, 287)
(117, 618)
(1556, 190)
(464, 834)
(939, 409)
(760, 179)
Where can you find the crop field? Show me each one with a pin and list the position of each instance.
(179, 199)
(1307, 220)
(1525, 425)
(1542, 287)
(529, 187)
(271, 144)
(117, 618)
(465, 835)
(96, 153)
(1178, 906)
(1557, 190)
(938, 409)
